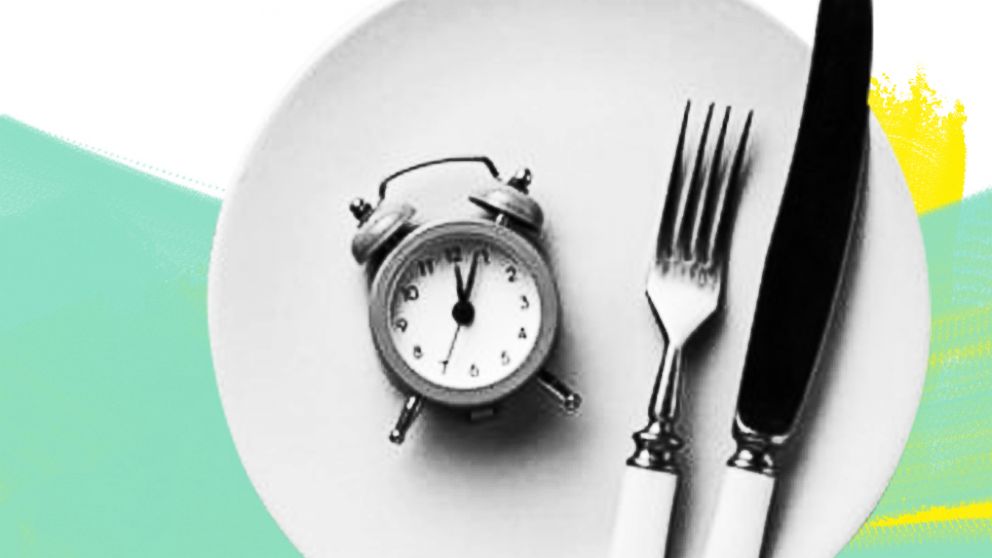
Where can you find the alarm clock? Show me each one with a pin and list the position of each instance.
(464, 311)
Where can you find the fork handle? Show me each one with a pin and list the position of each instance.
(738, 528)
(645, 510)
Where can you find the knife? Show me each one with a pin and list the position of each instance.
(803, 270)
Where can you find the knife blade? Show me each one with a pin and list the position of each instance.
(802, 274)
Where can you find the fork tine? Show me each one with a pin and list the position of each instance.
(691, 192)
(726, 210)
(666, 229)
(708, 192)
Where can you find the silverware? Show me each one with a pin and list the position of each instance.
(803, 271)
(684, 288)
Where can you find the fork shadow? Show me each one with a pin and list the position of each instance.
(682, 523)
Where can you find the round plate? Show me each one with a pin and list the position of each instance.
(590, 96)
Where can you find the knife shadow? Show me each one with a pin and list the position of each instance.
(824, 386)
(683, 522)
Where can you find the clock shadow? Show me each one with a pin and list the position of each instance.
(526, 425)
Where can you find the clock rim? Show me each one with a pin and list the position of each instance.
(389, 274)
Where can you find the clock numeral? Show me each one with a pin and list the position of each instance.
(418, 353)
(524, 302)
(410, 293)
(482, 255)
(453, 254)
(511, 274)
(504, 358)
(473, 371)
(426, 267)
(522, 334)
(402, 325)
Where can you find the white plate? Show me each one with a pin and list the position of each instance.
(589, 94)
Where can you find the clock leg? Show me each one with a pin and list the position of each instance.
(410, 412)
(482, 415)
(564, 395)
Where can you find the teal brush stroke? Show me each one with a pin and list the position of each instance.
(112, 438)
(948, 458)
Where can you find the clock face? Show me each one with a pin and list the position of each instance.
(464, 312)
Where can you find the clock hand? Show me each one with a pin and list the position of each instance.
(451, 350)
(467, 291)
(464, 312)
(460, 284)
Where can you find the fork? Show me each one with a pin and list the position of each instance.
(684, 288)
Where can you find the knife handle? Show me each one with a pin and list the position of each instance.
(641, 525)
(738, 528)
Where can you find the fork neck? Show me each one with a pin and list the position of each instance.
(667, 385)
(658, 444)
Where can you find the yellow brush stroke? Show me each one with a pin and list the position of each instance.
(928, 140)
(972, 352)
(939, 514)
(957, 522)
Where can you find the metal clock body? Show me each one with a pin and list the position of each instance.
(469, 351)
(463, 312)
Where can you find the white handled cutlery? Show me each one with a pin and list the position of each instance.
(684, 288)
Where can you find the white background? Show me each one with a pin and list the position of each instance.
(181, 88)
